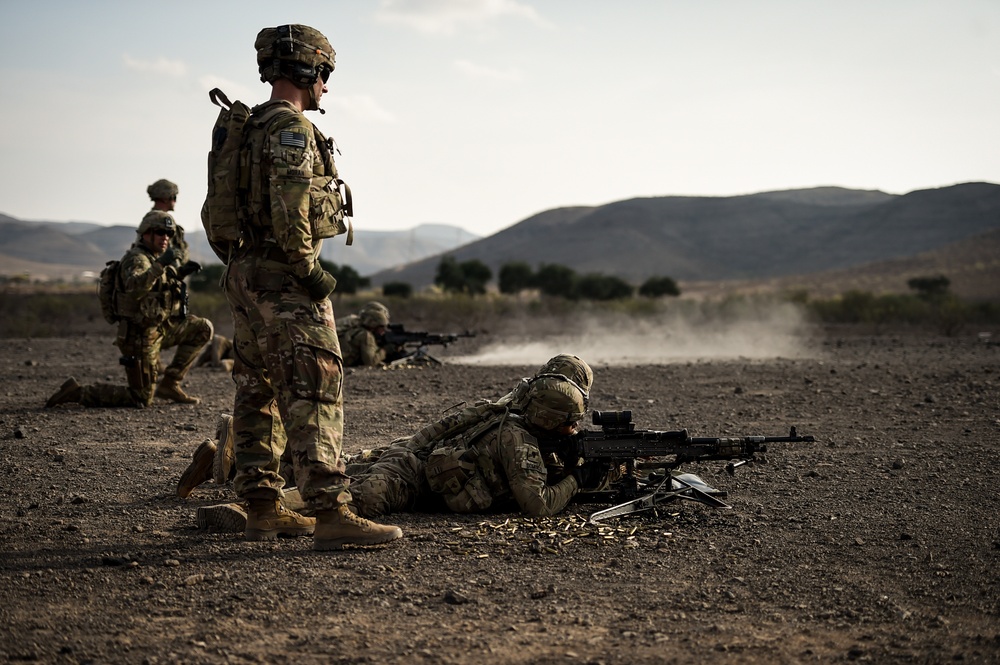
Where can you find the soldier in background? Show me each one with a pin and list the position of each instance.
(153, 318)
(218, 354)
(288, 367)
(163, 194)
(362, 336)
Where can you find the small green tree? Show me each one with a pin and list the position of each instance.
(467, 277)
(348, 279)
(449, 275)
(930, 288)
(595, 286)
(397, 289)
(556, 280)
(655, 287)
(207, 279)
(515, 277)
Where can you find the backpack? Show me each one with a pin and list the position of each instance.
(224, 207)
(107, 291)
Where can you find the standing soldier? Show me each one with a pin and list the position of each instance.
(153, 317)
(163, 194)
(288, 368)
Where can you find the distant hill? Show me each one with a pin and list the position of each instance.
(755, 236)
(66, 250)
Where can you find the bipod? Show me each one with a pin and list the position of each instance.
(418, 357)
(684, 486)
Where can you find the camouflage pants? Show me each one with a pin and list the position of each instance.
(141, 348)
(289, 386)
(394, 482)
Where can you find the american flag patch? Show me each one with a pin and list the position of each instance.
(293, 139)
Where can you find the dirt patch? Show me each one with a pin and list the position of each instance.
(878, 543)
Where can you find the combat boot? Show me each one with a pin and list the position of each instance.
(199, 471)
(170, 388)
(225, 453)
(69, 391)
(336, 528)
(223, 517)
(267, 519)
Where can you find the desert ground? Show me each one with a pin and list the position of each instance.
(878, 543)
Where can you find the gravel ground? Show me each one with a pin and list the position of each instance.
(878, 543)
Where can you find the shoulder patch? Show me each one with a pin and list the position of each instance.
(293, 139)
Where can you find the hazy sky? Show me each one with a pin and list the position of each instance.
(480, 113)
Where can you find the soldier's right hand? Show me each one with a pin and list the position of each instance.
(167, 257)
(591, 475)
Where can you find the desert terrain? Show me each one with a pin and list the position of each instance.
(878, 543)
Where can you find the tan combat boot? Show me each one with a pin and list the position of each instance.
(223, 517)
(267, 519)
(170, 388)
(69, 391)
(336, 528)
(225, 454)
(199, 471)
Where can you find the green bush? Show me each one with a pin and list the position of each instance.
(655, 287)
(596, 286)
(553, 279)
(470, 277)
(515, 277)
(397, 290)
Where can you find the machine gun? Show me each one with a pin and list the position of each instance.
(410, 347)
(649, 459)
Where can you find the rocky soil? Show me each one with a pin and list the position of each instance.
(879, 543)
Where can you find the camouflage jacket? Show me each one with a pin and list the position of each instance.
(150, 293)
(294, 202)
(358, 345)
(498, 466)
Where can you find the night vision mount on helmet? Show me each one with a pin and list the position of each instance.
(296, 52)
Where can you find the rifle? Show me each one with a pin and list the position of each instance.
(619, 444)
(411, 346)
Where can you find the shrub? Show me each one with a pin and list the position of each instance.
(555, 280)
(515, 277)
(397, 289)
(596, 286)
(655, 287)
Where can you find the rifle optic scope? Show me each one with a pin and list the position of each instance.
(612, 419)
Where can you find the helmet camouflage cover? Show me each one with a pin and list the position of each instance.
(554, 401)
(570, 366)
(296, 52)
(373, 315)
(162, 189)
(157, 219)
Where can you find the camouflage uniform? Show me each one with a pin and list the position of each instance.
(152, 320)
(358, 336)
(288, 368)
(484, 457)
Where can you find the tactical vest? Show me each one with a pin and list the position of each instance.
(152, 308)
(330, 204)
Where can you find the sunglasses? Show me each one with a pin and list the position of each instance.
(324, 73)
(162, 232)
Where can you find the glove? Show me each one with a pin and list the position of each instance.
(590, 475)
(189, 268)
(319, 283)
(167, 257)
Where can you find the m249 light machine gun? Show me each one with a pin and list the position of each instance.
(649, 458)
(410, 347)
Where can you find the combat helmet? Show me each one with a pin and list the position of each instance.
(570, 366)
(296, 52)
(373, 315)
(162, 189)
(553, 401)
(157, 219)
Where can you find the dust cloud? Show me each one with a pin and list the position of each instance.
(778, 330)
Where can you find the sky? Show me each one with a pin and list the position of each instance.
(481, 113)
